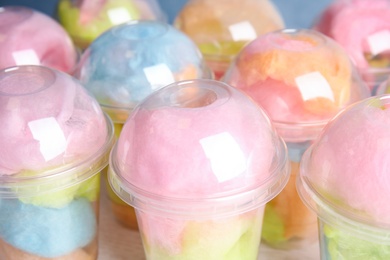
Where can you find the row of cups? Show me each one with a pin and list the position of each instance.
(198, 157)
(198, 160)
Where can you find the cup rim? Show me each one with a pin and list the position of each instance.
(219, 205)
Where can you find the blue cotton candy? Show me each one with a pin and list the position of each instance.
(296, 150)
(47, 232)
(113, 68)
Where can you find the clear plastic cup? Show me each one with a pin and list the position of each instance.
(129, 62)
(383, 88)
(362, 28)
(302, 79)
(198, 160)
(344, 179)
(54, 141)
(221, 28)
(29, 37)
(85, 20)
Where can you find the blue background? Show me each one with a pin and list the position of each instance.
(296, 13)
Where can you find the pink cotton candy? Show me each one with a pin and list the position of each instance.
(48, 118)
(89, 9)
(196, 151)
(351, 22)
(173, 151)
(350, 163)
(28, 37)
(302, 78)
(284, 103)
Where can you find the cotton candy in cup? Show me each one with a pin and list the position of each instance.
(47, 232)
(29, 37)
(344, 179)
(128, 63)
(362, 27)
(302, 79)
(55, 141)
(221, 28)
(195, 159)
(85, 20)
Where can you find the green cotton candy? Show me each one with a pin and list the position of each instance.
(342, 246)
(273, 227)
(230, 240)
(222, 48)
(69, 17)
(88, 189)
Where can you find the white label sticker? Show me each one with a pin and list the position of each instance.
(242, 31)
(26, 57)
(314, 85)
(225, 155)
(118, 15)
(50, 136)
(379, 42)
(159, 75)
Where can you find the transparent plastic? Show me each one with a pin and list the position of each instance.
(362, 27)
(302, 79)
(128, 63)
(383, 88)
(344, 179)
(85, 20)
(132, 60)
(221, 28)
(29, 37)
(195, 158)
(55, 140)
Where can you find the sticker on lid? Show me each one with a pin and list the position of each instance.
(225, 155)
(314, 85)
(159, 75)
(118, 15)
(26, 57)
(51, 138)
(379, 42)
(242, 31)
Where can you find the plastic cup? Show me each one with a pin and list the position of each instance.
(344, 180)
(221, 28)
(128, 63)
(362, 27)
(28, 37)
(195, 159)
(85, 20)
(55, 140)
(383, 88)
(302, 79)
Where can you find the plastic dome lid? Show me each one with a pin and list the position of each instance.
(362, 27)
(50, 45)
(85, 20)
(198, 147)
(130, 61)
(221, 28)
(51, 127)
(344, 175)
(300, 77)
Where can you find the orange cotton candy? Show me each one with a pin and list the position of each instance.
(283, 57)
